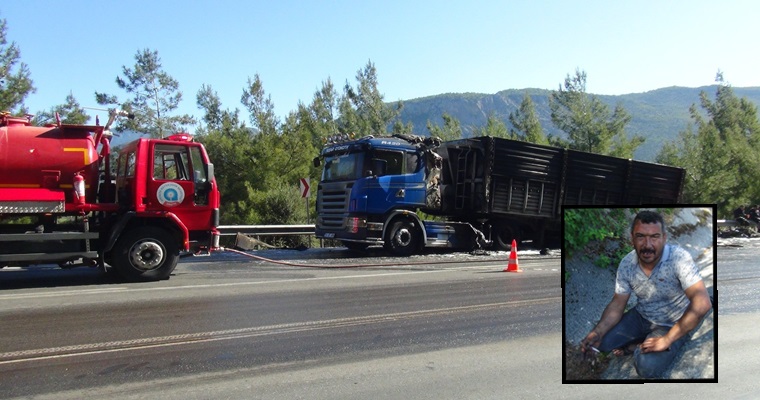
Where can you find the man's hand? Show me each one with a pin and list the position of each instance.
(653, 344)
(592, 339)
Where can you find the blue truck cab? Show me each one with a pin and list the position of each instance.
(364, 182)
(372, 189)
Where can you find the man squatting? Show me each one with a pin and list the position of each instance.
(672, 300)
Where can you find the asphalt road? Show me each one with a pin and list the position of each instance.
(229, 327)
(430, 327)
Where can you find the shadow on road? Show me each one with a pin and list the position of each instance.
(50, 276)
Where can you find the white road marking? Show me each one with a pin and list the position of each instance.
(124, 289)
(15, 357)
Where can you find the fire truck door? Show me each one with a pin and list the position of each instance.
(172, 185)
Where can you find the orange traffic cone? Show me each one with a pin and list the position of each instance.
(512, 266)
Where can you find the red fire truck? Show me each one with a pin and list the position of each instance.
(63, 202)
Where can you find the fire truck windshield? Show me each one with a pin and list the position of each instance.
(345, 166)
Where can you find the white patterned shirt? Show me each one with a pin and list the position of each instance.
(661, 297)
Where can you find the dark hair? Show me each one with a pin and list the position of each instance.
(648, 217)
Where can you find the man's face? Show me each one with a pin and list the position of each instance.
(649, 241)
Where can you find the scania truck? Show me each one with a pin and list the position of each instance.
(408, 192)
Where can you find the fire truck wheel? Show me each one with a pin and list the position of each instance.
(145, 254)
(403, 238)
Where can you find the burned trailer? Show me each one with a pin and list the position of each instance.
(516, 189)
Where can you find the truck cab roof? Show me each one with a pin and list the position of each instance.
(367, 143)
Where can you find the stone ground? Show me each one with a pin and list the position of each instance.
(589, 289)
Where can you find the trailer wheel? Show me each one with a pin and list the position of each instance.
(145, 254)
(503, 234)
(403, 238)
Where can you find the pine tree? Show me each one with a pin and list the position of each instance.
(526, 124)
(229, 144)
(719, 151)
(320, 116)
(362, 108)
(155, 95)
(69, 113)
(451, 129)
(587, 121)
(494, 127)
(15, 78)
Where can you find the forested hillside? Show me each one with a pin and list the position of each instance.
(260, 156)
(658, 115)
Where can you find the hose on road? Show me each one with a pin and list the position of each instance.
(291, 264)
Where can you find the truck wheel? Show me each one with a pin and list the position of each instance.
(145, 254)
(402, 238)
(503, 235)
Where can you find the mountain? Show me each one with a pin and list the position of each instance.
(658, 115)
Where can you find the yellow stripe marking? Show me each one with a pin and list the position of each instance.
(18, 185)
(84, 152)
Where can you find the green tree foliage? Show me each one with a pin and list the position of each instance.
(260, 107)
(281, 152)
(494, 127)
(154, 95)
(526, 125)
(258, 162)
(592, 230)
(267, 159)
(451, 129)
(720, 151)
(362, 108)
(208, 101)
(587, 121)
(69, 112)
(280, 204)
(400, 128)
(15, 78)
(320, 117)
(229, 144)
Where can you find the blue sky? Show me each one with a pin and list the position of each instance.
(420, 48)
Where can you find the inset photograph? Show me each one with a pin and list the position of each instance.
(638, 294)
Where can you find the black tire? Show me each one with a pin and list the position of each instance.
(145, 254)
(402, 238)
(502, 236)
(355, 246)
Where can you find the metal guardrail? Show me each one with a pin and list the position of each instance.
(266, 230)
(293, 230)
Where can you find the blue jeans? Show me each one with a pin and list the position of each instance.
(634, 329)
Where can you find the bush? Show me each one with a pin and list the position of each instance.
(281, 205)
(588, 227)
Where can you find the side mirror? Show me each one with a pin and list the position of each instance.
(210, 177)
(316, 162)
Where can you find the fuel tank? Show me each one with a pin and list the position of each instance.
(48, 157)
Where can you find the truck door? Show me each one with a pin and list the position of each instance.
(396, 184)
(178, 183)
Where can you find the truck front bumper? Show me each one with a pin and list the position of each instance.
(354, 229)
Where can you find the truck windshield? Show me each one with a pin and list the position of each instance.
(346, 166)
